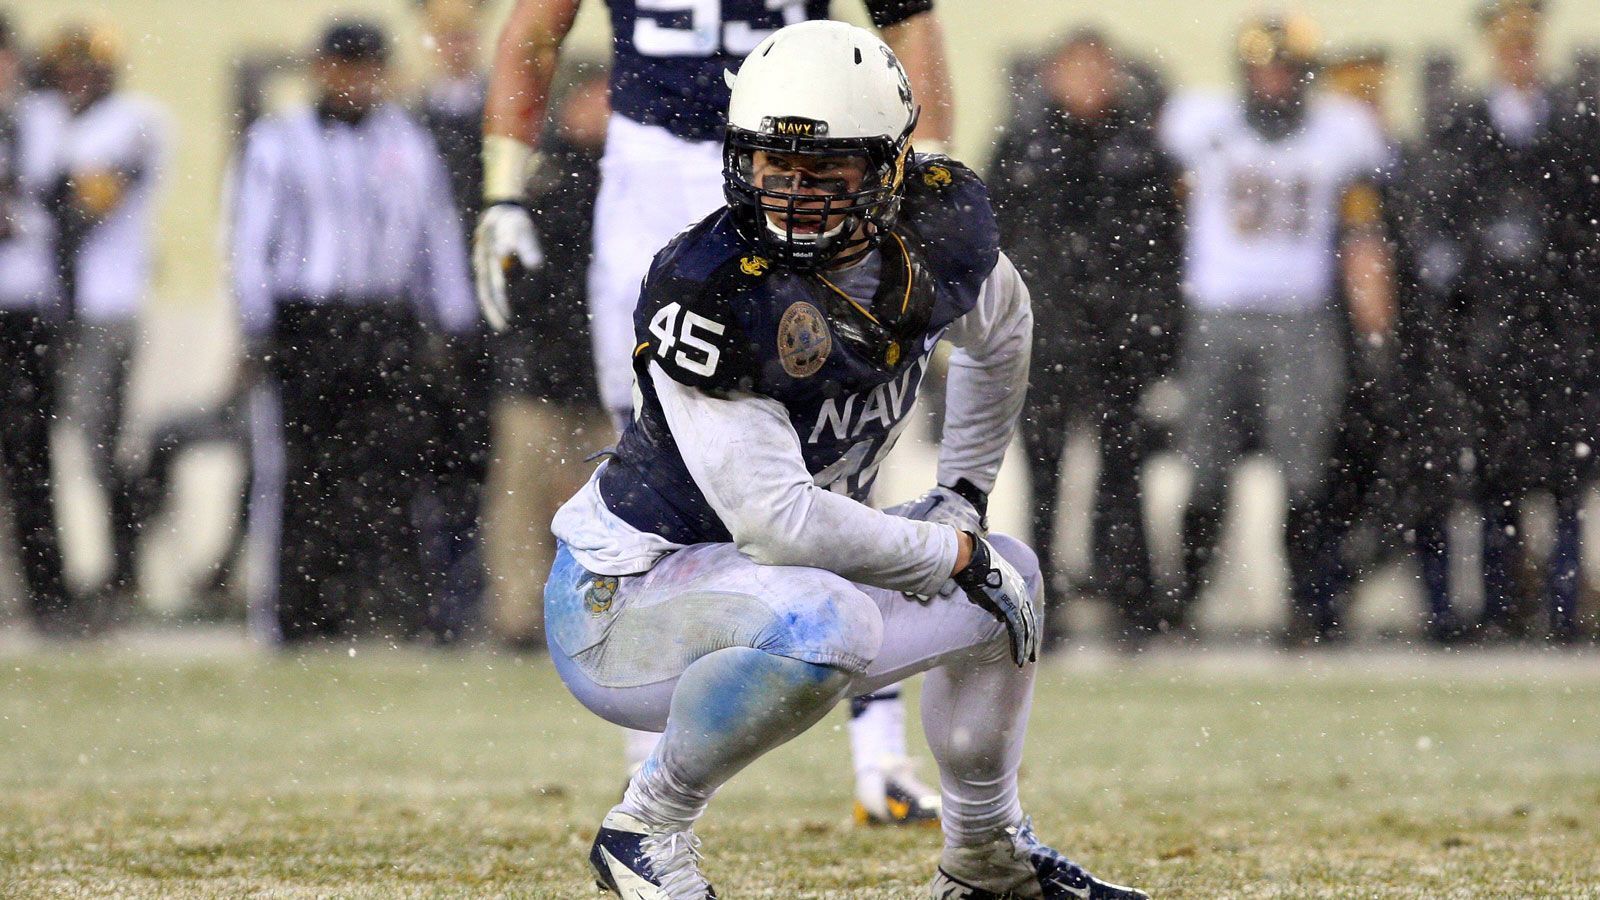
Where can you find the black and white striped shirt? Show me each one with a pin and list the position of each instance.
(329, 211)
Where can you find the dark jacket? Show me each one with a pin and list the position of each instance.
(1089, 213)
(1525, 310)
(457, 128)
(548, 354)
(1512, 206)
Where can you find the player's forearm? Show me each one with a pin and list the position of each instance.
(801, 524)
(745, 457)
(988, 380)
(525, 62)
(1370, 284)
(919, 43)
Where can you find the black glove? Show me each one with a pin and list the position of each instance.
(995, 585)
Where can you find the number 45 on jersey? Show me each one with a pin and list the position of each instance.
(677, 332)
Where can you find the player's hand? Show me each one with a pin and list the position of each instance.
(504, 237)
(996, 586)
(943, 506)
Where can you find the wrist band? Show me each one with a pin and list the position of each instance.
(508, 164)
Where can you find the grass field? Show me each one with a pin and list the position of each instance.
(159, 768)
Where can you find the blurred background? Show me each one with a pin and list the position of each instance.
(194, 61)
(186, 54)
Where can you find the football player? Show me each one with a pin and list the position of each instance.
(661, 172)
(720, 577)
(1284, 219)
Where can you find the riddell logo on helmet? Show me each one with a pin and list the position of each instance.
(794, 126)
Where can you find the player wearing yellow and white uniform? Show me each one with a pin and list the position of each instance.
(1277, 181)
(113, 148)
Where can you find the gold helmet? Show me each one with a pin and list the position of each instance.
(1292, 38)
(85, 44)
(440, 16)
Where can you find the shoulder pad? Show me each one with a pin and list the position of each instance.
(690, 319)
(947, 209)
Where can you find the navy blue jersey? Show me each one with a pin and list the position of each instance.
(717, 316)
(670, 56)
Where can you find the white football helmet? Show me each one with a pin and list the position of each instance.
(819, 88)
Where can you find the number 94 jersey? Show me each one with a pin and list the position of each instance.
(717, 316)
(670, 56)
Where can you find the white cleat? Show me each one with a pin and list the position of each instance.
(1018, 866)
(890, 794)
(639, 862)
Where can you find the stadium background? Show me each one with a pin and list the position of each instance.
(180, 764)
(184, 52)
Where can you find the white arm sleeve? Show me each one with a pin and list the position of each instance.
(745, 457)
(988, 379)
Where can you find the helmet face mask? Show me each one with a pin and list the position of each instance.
(802, 201)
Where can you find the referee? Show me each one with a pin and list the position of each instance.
(348, 262)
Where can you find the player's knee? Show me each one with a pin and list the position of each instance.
(829, 622)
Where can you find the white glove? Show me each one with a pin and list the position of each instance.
(943, 506)
(504, 233)
(995, 585)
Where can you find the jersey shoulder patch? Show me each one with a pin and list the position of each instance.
(688, 319)
(948, 213)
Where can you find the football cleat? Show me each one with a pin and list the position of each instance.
(1019, 867)
(638, 862)
(892, 795)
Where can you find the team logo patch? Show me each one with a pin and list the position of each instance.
(892, 357)
(937, 176)
(754, 265)
(602, 591)
(794, 126)
(804, 341)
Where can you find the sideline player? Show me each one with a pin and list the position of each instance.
(113, 150)
(720, 577)
(661, 172)
(1284, 220)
